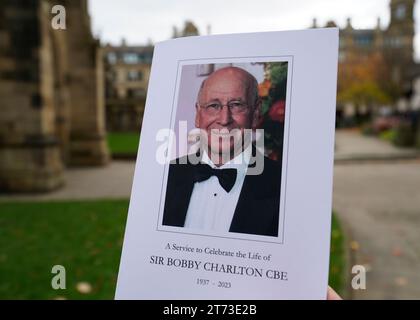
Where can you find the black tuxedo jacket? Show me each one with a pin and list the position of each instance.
(257, 210)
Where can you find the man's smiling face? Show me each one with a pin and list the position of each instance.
(227, 105)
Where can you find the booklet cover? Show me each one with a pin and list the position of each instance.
(232, 190)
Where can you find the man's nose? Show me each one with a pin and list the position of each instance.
(225, 115)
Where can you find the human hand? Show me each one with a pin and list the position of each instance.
(332, 295)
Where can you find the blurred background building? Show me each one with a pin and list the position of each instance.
(395, 43)
(188, 30)
(376, 66)
(126, 71)
(52, 107)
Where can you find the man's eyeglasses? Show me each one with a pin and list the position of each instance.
(235, 107)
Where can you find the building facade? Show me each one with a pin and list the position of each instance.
(51, 105)
(395, 43)
(126, 72)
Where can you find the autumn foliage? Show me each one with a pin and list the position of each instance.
(364, 80)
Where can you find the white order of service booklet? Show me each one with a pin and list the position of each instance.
(232, 189)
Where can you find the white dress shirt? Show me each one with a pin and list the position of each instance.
(211, 208)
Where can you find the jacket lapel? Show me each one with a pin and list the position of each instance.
(178, 194)
(258, 205)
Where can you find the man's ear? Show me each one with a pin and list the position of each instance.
(257, 113)
(197, 119)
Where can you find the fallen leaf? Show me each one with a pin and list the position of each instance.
(354, 245)
(84, 287)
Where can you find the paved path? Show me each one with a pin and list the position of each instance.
(113, 181)
(352, 146)
(379, 204)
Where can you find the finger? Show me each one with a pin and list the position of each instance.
(332, 295)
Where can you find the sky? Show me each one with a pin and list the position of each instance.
(141, 21)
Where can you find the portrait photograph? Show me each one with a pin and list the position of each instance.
(224, 177)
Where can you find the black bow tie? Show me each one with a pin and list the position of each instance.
(226, 177)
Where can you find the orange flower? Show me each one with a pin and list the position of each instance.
(264, 88)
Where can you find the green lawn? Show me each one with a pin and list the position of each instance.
(86, 238)
(337, 257)
(123, 142)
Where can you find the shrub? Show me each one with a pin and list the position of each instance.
(404, 135)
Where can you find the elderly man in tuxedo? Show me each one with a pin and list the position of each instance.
(218, 193)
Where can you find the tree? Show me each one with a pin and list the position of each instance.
(364, 81)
